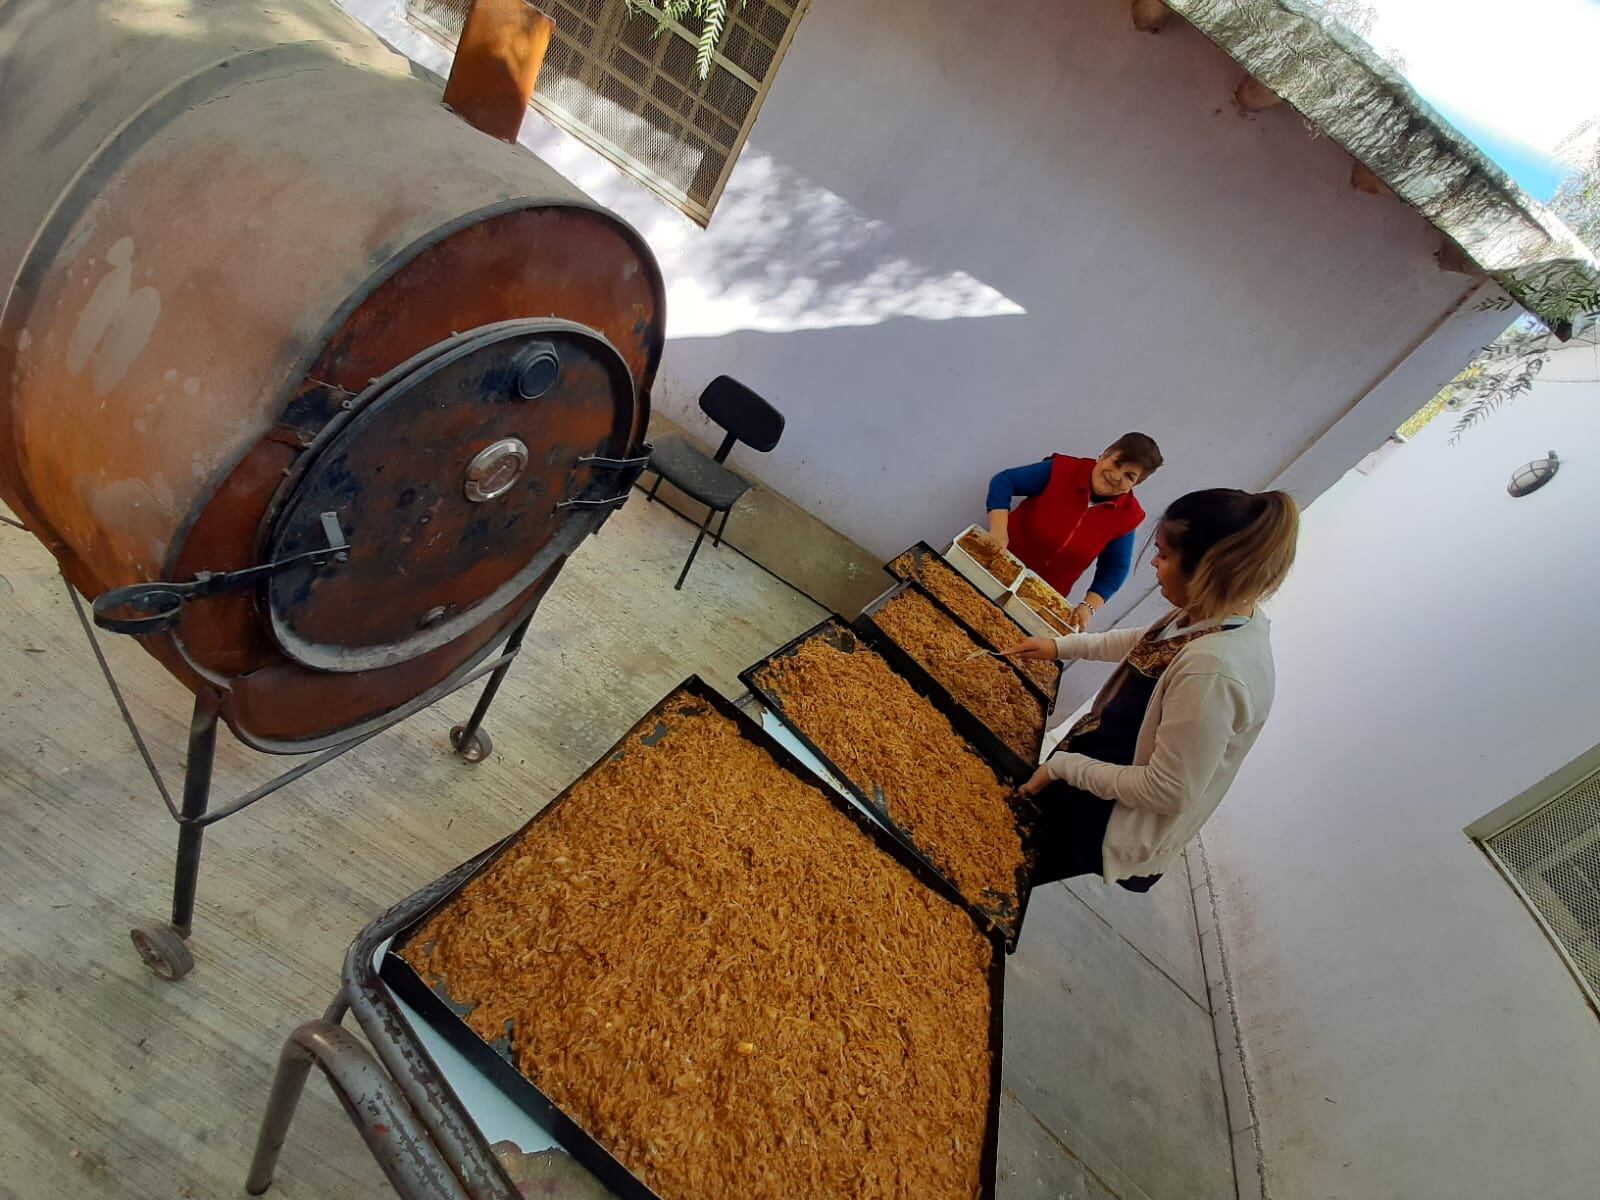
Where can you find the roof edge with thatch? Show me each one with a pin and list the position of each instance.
(1337, 82)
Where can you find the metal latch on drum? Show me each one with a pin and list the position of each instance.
(143, 608)
(626, 472)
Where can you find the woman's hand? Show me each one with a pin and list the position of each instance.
(999, 535)
(1037, 649)
(1091, 603)
(1037, 782)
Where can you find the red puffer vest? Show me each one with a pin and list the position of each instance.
(1059, 533)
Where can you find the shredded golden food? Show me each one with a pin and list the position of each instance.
(1047, 602)
(721, 979)
(983, 685)
(1003, 565)
(890, 741)
(969, 604)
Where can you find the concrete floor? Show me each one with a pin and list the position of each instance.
(1110, 1051)
(113, 1084)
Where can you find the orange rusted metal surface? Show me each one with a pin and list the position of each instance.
(254, 221)
(497, 63)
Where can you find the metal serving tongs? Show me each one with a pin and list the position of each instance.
(983, 653)
(995, 653)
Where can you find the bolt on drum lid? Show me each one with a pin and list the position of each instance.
(446, 481)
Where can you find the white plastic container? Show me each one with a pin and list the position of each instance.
(969, 567)
(1025, 616)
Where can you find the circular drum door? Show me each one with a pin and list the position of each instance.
(446, 483)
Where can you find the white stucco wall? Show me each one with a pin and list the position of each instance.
(958, 241)
(1410, 1031)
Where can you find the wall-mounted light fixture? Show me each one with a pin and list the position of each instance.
(1530, 477)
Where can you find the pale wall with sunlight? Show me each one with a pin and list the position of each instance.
(958, 242)
(1410, 1030)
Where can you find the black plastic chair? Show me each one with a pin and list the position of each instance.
(748, 419)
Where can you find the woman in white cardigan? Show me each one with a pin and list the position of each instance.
(1139, 774)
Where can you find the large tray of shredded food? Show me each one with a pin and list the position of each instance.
(982, 617)
(900, 751)
(932, 650)
(713, 979)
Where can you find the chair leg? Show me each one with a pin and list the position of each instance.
(650, 496)
(695, 549)
(716, 539)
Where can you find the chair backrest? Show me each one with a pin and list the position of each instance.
(746, 416)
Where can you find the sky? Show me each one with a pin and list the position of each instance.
(1516, 76)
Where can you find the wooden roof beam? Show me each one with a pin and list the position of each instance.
(1150, 15)
(1252, 96)
(1364, 179)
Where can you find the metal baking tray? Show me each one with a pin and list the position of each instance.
(836, 633)
(921, 553)
(494, 1059)
(1047, 697)
(1027, 615)
(985, 580)
(993, 747)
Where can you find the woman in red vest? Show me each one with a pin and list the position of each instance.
(1075, 511)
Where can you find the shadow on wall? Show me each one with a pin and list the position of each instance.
(805, 258)
(939, 263)
(784, 253)
(940, 272)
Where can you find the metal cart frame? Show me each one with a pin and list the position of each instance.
(409, 1116)
(407, 1113)
(163, 944)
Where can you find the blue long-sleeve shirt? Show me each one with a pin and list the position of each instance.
(1116, 560)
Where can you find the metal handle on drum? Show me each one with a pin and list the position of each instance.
(616, 501)
(145, 608)
(629, 470)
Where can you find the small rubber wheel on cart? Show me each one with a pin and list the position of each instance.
(163, 951)
(475, 751)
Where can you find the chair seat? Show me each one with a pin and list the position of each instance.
(695, 472)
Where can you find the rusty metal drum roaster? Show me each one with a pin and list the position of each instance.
(312, 385)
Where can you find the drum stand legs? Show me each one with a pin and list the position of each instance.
(163, 945)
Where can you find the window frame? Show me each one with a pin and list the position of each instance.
(639, 171)
(1485, 829)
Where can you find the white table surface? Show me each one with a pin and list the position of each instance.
(492, 1111)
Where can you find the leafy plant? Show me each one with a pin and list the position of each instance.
(1577, 200)
(1508, 366)
(712, 16)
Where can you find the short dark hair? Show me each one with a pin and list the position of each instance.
(1138, 449)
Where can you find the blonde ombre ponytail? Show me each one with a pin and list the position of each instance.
(1235, 547)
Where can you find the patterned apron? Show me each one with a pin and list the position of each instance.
(1072, 824)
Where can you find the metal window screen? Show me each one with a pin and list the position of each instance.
(612, 81)
(1552, 856)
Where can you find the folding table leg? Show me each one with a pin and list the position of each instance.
(409, 1159)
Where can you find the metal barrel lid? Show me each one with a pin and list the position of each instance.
(449, 483)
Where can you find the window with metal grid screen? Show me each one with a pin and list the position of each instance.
(1553, 856)
(612, 81)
